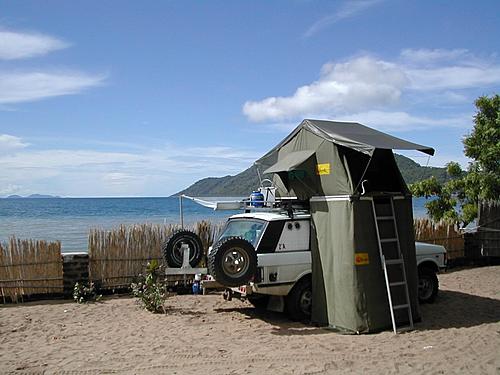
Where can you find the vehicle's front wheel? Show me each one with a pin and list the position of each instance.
(232, 261)
(299, 300)
(428, 285)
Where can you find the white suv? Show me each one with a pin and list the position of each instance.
(263, 254)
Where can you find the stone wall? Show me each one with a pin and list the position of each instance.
(75, 269)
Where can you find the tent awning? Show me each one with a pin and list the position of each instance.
(290, 161)
(352, 135)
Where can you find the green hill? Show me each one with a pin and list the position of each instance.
(245, 182)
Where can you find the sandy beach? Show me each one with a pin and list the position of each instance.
(460, 333)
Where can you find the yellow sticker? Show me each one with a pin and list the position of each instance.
(322, 169)
(361, 259)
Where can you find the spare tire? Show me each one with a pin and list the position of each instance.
(172, 248)
(232, 261)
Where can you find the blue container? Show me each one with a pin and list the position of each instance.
(196, 287)
(257, 199)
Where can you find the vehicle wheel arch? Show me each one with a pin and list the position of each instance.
(428, 264)
(305, 275)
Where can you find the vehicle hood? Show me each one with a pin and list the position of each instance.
(423, 248)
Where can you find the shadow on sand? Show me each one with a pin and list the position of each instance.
(458, 310)
(450, 310)
(282, 326)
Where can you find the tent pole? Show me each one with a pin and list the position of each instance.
(258, 174)
(363, 175)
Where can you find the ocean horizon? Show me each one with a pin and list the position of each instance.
(69, 220)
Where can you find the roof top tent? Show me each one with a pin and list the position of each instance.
(345, 171)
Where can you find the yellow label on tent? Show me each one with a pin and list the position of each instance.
(361, 259)
(322, 169)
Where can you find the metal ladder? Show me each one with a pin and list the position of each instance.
(383, 212)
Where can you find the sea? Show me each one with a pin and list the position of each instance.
(69, 219)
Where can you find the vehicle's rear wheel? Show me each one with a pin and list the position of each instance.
(172, 248)
(299, 300)
(232, 261)
(428, 285)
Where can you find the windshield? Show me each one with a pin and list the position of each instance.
(250, 230)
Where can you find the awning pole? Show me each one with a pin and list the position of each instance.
(181, 211)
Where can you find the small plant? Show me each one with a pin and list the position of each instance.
(85, 293)
(151, 292)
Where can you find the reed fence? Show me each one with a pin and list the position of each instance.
(441, 233)
(117, 257)
(29, 267)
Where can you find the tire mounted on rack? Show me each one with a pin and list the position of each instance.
(172, 248)
(232, 261)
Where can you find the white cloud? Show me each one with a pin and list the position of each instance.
(25, 86)
(19, 45)
(133, 171)
(117, 178)
(379, 89)
(401, 121)
(9, 189)
(351, 86)
(442, 69)
(10, 143)
(31, 86)
(430, 56)
(346, 10)
(453, 77)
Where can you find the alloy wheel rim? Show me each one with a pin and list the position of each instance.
(235, 262)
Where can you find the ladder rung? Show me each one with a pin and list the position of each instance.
(394, 261)
(398, 307)
(397, 283)
(384, 240)
(385, 217)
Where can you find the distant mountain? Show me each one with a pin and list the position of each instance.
(245, 182)
(42, 196)
(15, 196)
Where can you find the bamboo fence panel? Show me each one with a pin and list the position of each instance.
(118, 256)
(29, 267)
(441, 233)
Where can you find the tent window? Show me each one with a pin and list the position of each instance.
(383, 174)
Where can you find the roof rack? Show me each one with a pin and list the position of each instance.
(289, 205)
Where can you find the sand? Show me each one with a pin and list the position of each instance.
(460, 333)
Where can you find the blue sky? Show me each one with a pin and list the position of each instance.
(115, 98)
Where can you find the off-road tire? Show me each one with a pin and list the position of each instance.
(232, 261)
(172, 251)
(428, 285)
(296, 300)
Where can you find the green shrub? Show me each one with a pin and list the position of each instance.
(85, 293)
(150, 291)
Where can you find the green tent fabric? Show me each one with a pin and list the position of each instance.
(342, 168)
(290, 161)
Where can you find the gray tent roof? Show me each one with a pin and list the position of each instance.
(354, 136)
